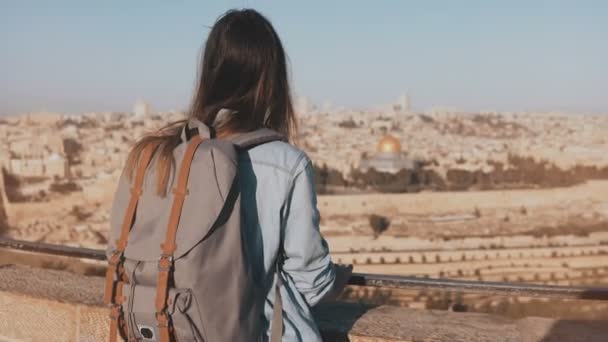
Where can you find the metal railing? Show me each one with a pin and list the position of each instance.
(373, 280)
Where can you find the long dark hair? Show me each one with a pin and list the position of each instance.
(243, 69)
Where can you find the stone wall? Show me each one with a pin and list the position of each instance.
(47, 305)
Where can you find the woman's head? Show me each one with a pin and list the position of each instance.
(244, 68)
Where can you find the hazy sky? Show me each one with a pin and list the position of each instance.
(76, 56)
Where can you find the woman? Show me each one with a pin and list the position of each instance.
(244, 87)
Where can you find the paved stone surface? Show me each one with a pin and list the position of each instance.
(24, 318)
(51, 284)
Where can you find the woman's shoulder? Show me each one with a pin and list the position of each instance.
(281, 155)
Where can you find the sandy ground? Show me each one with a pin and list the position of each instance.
(574, 210)
(438, 203)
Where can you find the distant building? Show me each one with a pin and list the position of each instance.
(26, 147)
(29, 148)
(27, 167)
(43, 118)
(141, 109)
(403, 104)
(70, 130)
(389, 157)
(52, 143)
(53, 166)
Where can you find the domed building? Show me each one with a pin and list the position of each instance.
(389, 157)
(389, 144)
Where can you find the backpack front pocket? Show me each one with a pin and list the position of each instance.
(139, 311)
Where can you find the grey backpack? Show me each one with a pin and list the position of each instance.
(178, 270)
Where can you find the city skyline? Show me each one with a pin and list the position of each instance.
(505, 56)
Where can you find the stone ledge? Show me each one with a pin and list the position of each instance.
(54, 285)
(46, 305)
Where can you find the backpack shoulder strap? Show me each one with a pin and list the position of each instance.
(245, 141)
(115, 273)
(276, 334)
(165, 262)
(255, 138)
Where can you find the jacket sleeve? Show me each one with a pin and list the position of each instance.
(306, 255)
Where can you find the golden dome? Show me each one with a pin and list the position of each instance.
(389, 144)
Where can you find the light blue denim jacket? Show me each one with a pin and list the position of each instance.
(280, 208)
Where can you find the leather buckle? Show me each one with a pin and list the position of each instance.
(136, 192)
(115, 258)
(162, 319)
(114, 311)
(168, 259)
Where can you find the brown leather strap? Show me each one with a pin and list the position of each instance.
(165, 262)
(117, 317)
(115, 270)
(115, 261)
(114, 315)
(147, 153)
